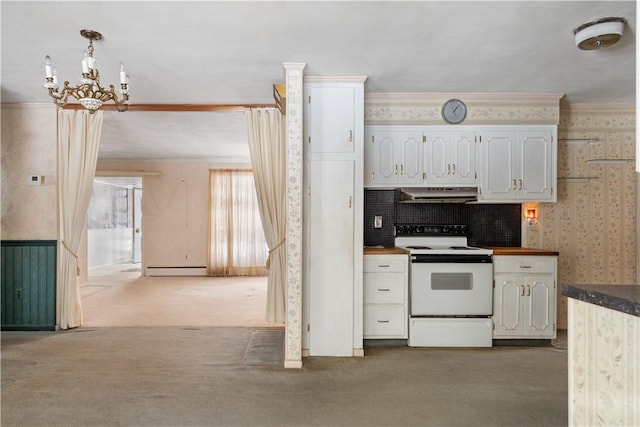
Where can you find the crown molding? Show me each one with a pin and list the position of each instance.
(335, 79)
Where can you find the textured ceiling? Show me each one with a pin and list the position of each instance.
(212, 52)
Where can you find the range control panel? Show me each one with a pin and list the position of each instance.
(430, 230)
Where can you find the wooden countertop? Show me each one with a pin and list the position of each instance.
(523, 251)
(378, 250)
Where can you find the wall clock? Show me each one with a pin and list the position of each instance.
(454, 111)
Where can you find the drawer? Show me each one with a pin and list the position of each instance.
(384, 288)
(524, 265)
(385, 321)
(385, 263)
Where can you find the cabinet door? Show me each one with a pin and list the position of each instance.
(535, 166)
(437, 168)
(331, 118)
(393, 157)
(331, 258)
(507, 306)
(409, 157)
(539, 306)
(462, 155)
(499, 149)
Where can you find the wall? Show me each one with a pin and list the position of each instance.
(175, 210)
(29, 148)
(593, 224)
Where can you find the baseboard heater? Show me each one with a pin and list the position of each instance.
(176, 271)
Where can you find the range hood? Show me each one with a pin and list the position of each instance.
(438, 194)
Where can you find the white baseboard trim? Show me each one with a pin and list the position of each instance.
(176, 271)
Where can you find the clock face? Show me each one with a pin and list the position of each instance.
(454, 111)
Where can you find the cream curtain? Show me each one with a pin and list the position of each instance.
(238, 246)
(267, 145)
(78, 141)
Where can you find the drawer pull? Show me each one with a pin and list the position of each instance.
(383, 265)
(383, 321)
(525, 266)
(383, 289)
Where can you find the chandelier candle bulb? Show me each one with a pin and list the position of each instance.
(123, 74)
(85, 64)
(47, 66)
(55, 77)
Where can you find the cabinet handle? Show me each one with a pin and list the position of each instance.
(383, 265)
(350, 136)
(350, 201)
(513, 187)
(383, 321)
(520, 188)
(448, 168)
(521, 290)
(525, 266)
(453, 166)
(528, 290)
(383, 289)
(401, 169)
(396, 169)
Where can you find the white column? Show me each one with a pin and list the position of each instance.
(294, 123)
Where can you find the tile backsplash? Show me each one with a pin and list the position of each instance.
(488, 224)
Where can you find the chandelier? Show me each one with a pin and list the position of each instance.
(88, 91)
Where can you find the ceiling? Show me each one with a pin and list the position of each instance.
(214, 52)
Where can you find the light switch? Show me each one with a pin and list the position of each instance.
(377, 221)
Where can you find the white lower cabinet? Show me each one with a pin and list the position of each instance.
(386, 279)
(524, 304)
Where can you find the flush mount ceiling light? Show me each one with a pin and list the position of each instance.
(599, 33)
(88, 91)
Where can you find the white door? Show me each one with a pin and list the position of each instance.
(507, 307)
(540, 307)
(463, 157)
(331, 122)
(535, 166)
(137, 225)
(331, 257)
(499, 149)
(436, 165)
(409, 157)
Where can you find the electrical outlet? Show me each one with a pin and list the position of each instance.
(377, 221)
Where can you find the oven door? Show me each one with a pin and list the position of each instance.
(451, 286)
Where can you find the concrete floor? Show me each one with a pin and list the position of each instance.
(195, 376)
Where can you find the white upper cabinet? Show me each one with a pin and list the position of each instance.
(518, 165)
(392, 157)
(449, 158)
(331, 124)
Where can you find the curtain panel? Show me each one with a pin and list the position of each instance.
(267, 146)
(78, 142)
(237, 243)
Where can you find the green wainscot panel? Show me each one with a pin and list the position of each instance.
(28, 275)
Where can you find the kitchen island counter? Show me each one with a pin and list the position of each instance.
(604, 354)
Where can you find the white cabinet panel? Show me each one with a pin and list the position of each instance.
(450, 158)
(392, 157)
(331, 122)
(386, 298)
(331, 258)
(518, 165)
(524, 297)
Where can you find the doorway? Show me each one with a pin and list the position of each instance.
(118, 295)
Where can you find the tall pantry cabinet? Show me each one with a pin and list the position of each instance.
(332, 215)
